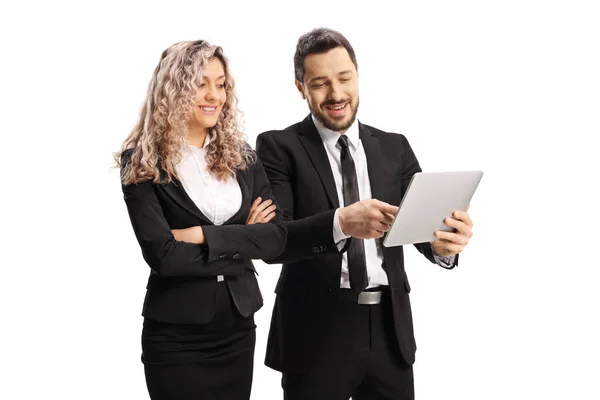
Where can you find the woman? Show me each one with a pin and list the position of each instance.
(201, 208)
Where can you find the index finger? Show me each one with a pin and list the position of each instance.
(256, 201)
(386, 208)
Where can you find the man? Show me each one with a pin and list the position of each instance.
(342, 323)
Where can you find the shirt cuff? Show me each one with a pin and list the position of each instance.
(339, 238)
(443, 261)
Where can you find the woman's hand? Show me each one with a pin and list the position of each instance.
(261, 211)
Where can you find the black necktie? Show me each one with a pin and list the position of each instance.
(357, 266)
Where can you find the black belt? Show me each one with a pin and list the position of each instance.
(368, 296)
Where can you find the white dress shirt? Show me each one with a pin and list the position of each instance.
(373, 252)
(218, 200)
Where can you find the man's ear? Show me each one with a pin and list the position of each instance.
(300, 88)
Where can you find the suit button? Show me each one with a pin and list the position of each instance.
(236, 256)
(333, 289)
(222, 255)
(323, 248)
(315, 249)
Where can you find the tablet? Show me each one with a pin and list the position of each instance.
(429, 199)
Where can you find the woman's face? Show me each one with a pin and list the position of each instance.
(210, 97)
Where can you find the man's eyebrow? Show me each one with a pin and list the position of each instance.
(316, 78)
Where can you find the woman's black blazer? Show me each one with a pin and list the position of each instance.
(182, 283)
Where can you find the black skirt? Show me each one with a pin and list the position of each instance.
(205, 361)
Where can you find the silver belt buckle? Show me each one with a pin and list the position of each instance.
(369, 298)
(220, 278)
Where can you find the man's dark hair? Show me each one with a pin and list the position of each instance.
(319, 40)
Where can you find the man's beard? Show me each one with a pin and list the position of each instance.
(327, 122)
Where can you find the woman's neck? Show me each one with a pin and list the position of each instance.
(196, 136)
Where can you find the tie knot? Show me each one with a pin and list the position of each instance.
(343, 141)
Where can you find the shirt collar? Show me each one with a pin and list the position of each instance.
(206, 141)
(331, 137)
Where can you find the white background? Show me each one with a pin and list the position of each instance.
(508, 87)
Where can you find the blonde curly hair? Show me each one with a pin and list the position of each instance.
(156, 139)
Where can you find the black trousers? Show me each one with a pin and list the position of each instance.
(362, 359)
(207, 361)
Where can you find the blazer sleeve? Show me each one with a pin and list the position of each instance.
(307, 237)
(410, 166)
(255, 241)
(226, 248)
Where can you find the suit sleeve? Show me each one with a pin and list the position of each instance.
(227, 245)
(255, 241)
(166, 256)
(410, 166)
(307, 237)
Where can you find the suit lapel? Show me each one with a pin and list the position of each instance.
(246, 200)
(311, 140)
(179, 195)
(375, 162)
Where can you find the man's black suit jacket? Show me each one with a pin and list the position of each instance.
(302, 181)
(182, 286)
